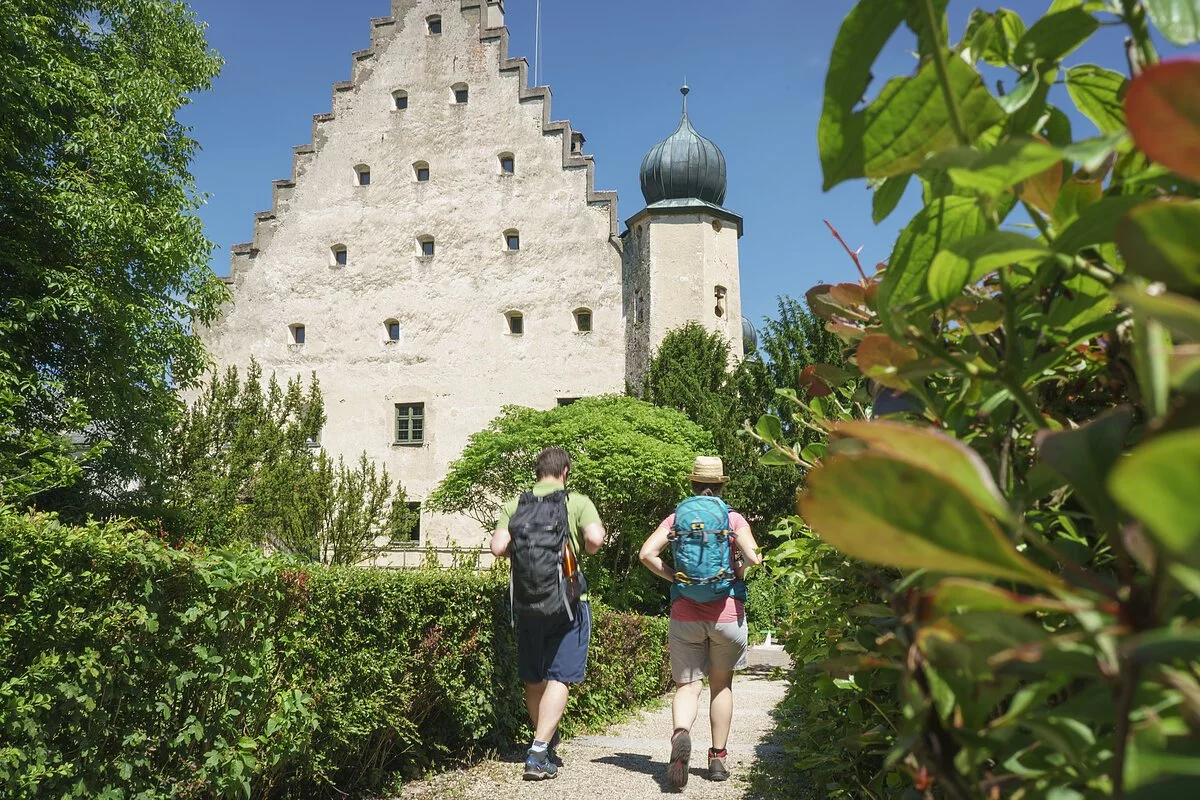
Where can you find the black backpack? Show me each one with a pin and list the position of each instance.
(545, 579)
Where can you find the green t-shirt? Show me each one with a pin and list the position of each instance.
(581, 512)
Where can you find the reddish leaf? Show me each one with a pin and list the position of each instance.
(880, 357)
(848, 295)
(812, 384)
(1163, 109)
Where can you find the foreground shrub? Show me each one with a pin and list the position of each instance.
(136, 670)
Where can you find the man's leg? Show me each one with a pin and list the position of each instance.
(533, 700)
(720, 708)
(552, 702)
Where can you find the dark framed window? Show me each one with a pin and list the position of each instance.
(297, 334)
(393, 329)
(410, 423)
(422, 171)
(516, 323)
(427, 247)
(340, 256)
(461, 95)
(512, 240)
(414, 533)
(364, 175)
(583, 320)
(435, 25)
(566, 401)
(508, 165)
(401, 98)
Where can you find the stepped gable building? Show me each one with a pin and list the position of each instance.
(440, 251)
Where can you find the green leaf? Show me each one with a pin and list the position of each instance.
(952, 595)
(1096, 224)
(1178, 313)
(937, 225)
(887, 196)
(995, 172)
(1085, 456)
(851, 502)
(1099, 95)
(1163, 109)
(1161, 241)
(1054, 36)
(1164, 644)
(1175, 787)
(907, 121)
(1022, 91)
(946, 457)
(769, 428)
(1179, 20)
(966, 261)
(1158, 484)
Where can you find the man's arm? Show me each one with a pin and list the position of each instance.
(651, 553)
(501, 539)
(593, 537)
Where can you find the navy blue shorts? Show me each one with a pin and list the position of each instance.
(554, 649)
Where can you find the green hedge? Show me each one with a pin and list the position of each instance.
(131, 669)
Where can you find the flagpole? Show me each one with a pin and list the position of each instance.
(537, 46)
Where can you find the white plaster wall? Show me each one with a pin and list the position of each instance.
(455, 354)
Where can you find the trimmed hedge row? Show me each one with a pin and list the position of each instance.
(132, 670)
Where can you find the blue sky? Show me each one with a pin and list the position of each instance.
(756, 68)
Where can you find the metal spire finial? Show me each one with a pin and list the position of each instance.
(684, 91)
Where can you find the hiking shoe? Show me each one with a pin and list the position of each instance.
(716, 765)
(539, 767)
(681, 751)
(552, 749)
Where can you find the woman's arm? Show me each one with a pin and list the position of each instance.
(743, 539)
(651, 554)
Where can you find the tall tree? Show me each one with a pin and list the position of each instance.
(102, 260)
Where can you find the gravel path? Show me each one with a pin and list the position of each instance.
(628, 762)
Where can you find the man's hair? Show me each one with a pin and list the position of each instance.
(552, 462)
(710, 489)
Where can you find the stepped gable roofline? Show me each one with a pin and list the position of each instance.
(684, 166)
(382, 30)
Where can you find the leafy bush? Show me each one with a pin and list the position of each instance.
(1036, 490)
(137, 670)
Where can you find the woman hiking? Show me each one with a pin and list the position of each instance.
(711, 545)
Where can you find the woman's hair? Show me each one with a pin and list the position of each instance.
(710, 489)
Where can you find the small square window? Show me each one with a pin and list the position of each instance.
(410, 423)
(461, 96)
(422, 174)
(583, 321)
(513, 241)
(516, 324)
(364, 177)
(393, 329)
(435, 25)
(508, 165)
(401, 100)
(340, 256)
(297, 334)
(427, 247)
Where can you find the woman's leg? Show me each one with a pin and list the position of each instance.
(720, 707)
(685, 704)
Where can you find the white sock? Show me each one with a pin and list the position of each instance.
(539, 746)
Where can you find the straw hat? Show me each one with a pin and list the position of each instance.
(708, 469)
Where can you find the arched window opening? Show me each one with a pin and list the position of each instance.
(583, 320)
(512, 240)
(340, 255)
(461, 93)
(421, 171)
(401, 99)
(508, 164)
(434, 23)
(362, 175)
(516, 323)
(425, 246)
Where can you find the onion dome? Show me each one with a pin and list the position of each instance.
(749, 337)
(684, 166)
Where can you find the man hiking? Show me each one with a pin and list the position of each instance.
(542, 532)
(710, 543)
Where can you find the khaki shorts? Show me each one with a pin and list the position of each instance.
(697, 647)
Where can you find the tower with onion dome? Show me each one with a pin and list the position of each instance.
(681, 250)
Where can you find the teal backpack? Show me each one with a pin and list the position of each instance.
(700, 546)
